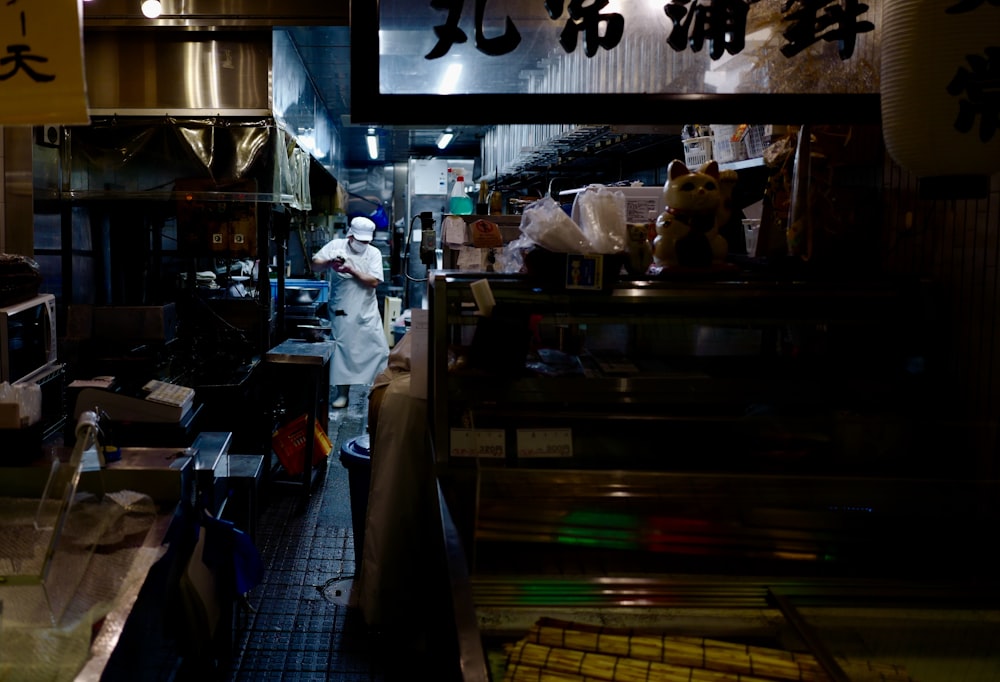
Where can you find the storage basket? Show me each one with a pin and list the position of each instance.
(697, 150)
(756, 140)
(727, 143)
(289, 443)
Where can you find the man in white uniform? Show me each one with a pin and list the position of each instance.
(360, 348)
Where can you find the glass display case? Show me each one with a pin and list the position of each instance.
(751, 458)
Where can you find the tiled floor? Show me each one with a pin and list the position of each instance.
(301, 627)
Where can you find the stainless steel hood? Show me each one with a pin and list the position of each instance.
(216, 13)
(187, 73)
(218, 79)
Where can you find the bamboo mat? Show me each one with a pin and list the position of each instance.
(562, 651)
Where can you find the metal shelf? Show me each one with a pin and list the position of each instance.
(756, 162)
(586, 155)
(801, 351)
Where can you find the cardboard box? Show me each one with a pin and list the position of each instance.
(10, 416)
(136, 323)
(24, 409)
(639, 201)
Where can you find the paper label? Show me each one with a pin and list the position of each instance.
(478, 443)
(544, 443)
(454, 231)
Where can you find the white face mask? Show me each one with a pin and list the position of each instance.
(356, 246)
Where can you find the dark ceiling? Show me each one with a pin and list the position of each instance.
(326, 53)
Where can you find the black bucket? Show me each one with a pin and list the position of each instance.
(355, 455)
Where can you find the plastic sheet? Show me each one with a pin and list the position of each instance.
(598, 226)
(547, 225)
(32, 647)
(601, 214)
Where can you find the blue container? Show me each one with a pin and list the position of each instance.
(355, 455)
(322, 285)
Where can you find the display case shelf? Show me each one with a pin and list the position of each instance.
(804, 362)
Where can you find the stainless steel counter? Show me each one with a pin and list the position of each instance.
(299, 352)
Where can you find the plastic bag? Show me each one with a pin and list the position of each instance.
(601, 213)
(547, 225)
(544, 224)
(511, 257)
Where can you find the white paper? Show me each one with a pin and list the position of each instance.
(470, 258)
(454, 230)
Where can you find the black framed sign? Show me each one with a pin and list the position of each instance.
(615, 61)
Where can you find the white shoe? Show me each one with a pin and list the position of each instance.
(342, 397)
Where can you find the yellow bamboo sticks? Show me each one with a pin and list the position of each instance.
(561, 651)
(615, 668)
(694, 652)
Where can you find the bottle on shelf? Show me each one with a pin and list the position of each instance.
(482, 204)
(459, 203)
(496, 201)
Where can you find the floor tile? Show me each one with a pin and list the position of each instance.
(301, 629)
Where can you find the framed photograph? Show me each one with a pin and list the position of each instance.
(584, 271)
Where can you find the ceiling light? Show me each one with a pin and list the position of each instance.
(372, 140)
(444, 139)
(151, 8)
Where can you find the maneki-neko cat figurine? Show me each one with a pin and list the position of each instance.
(697, 204)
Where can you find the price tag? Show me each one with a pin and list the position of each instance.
(478, 443)
(544, 443)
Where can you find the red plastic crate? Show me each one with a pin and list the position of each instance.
(289, 443)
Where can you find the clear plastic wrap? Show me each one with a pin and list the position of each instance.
(598, 226)
(601, 212)
(547, 225)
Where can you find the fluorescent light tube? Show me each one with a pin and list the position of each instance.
(445, 138)
(372, 144)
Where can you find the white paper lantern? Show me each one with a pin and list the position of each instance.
(939, 95)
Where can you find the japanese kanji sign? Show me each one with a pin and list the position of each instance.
(629, 46)
(41, 63)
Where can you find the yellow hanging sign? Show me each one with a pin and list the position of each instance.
(41, 63)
